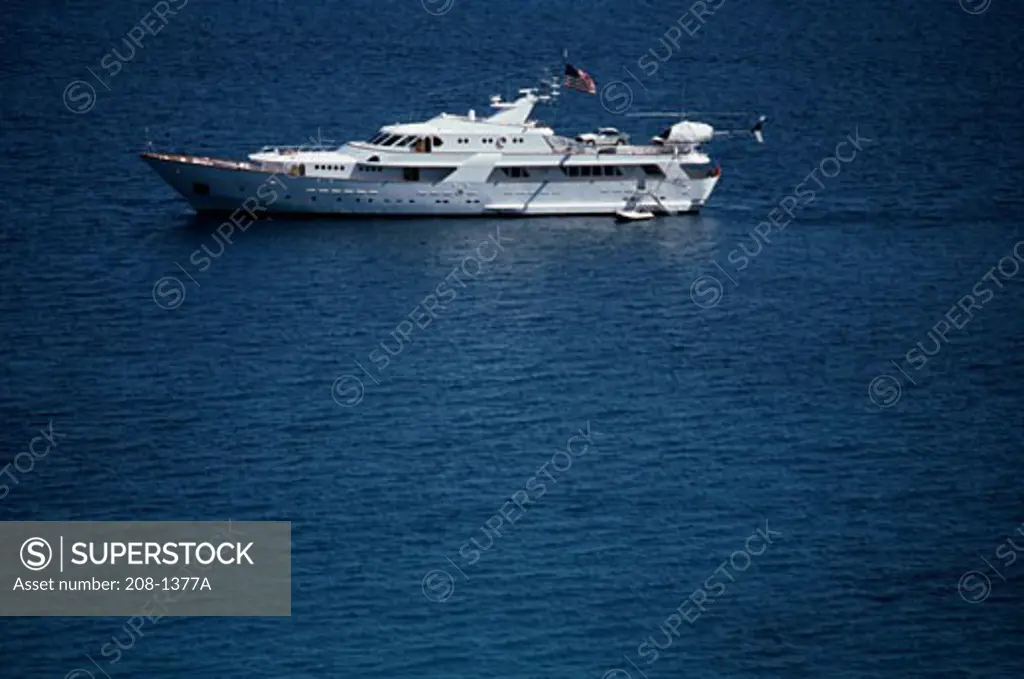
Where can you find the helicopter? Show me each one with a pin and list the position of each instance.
(691, 133)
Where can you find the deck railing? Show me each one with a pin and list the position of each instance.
(292, 150)
(573, 147)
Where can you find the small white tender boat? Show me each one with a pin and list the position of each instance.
(636, 214)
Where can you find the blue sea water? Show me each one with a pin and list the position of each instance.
(792, 380)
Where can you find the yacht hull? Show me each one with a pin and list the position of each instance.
(221, 186)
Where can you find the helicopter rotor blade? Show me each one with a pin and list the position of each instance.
(672, 114)
(683, 114)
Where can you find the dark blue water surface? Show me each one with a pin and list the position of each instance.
(795, 381)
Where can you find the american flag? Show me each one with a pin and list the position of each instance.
(578, 79)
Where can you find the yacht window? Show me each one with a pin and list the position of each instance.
(390, 141)
(438, 142)
(653, 171)
(405, 141)
(411, 174)
(585, 171)
(574, 172)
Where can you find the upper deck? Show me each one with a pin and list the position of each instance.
(506, 138)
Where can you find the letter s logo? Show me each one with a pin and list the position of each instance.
(616, 97)
(36, 554)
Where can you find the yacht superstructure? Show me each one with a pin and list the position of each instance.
(504, 163)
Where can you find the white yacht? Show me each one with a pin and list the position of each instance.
(504, 163)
